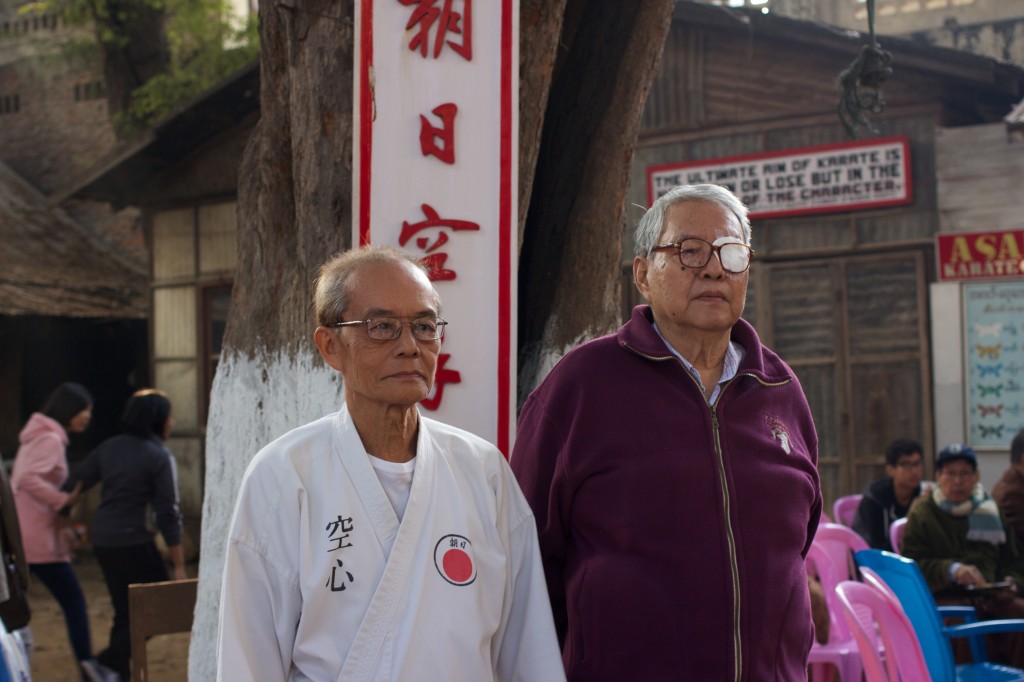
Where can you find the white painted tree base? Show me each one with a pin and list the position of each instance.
(254, 400)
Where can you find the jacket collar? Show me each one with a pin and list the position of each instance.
(639, 336)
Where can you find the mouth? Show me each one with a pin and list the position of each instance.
(712, 296)
(406, 375)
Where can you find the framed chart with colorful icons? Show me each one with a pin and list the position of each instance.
(994, 355)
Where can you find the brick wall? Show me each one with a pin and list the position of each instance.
(61, 124)
(54, 121)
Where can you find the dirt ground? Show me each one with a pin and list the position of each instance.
(52, 660)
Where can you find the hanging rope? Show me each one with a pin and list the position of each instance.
(860, 84)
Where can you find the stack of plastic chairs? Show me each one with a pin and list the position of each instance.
(905, 580)
(840, 651)
(889, 648)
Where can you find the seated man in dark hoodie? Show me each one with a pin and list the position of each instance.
(889, 498)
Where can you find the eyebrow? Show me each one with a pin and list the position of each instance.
(385, 312)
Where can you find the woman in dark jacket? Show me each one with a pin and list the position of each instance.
(136, 470)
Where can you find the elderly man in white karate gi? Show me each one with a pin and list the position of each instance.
(374, 543)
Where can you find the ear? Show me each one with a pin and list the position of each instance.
(641, 267)
(329, 345)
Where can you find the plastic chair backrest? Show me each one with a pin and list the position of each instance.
(841, 543)
(845, 508)
(864, 608)
(821, 565)
(906, 581)
(896, 529)
(869, 577)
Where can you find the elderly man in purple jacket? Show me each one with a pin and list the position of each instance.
(672, 470)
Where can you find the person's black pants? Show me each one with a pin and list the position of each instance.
(60, 580)
(123, 566)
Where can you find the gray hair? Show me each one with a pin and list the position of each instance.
(653, 222)
(332, 293)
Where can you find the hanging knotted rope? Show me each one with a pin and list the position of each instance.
(860, 84)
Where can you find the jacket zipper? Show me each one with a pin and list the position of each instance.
(737, 637)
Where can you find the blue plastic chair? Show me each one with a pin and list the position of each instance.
(905, 579)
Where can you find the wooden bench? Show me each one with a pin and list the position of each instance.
(158, 609)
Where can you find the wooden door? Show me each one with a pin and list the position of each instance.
(854, 329)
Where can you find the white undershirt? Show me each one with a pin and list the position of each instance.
(396, 479)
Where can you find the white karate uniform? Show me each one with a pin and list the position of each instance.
(322, 582)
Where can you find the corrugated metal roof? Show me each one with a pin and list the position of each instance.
(52, 266)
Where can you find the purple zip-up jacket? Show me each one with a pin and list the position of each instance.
(673, 532)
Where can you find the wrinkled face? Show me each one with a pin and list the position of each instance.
(956, 480)
(908, 471)
(706, 299)
(80, 422)
(397, 372)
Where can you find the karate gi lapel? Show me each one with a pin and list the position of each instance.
(371, 656)
(364, 479)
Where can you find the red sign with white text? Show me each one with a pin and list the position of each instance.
(436, 152)
(981, 255)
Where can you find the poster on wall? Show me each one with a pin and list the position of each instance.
(837, 177)
(994, 354)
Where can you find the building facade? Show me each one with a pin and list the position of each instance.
(841, 293)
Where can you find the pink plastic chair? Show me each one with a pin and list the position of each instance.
(896, 529)
(845, 508)
(841, 543)
(872, 579)
(865, 608)
(841, 649)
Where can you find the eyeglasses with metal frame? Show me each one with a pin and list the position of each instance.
(694, 252)
(390, 328)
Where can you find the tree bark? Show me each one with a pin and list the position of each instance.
(569, 282)
(584, 72)
(294, 211)
(143, 54)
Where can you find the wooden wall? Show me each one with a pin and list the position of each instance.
(980, 178)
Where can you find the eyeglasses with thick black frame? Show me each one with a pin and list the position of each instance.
(390, 328)
(694, 252)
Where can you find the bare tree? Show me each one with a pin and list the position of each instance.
(585, 70)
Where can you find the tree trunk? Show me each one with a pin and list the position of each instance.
(294, 210)
(142, 51)
(569, 280)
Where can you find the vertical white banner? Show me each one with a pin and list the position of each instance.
(435, 173)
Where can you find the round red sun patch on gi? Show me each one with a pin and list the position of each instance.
(453, 557)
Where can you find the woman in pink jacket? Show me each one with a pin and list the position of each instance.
(40, 468)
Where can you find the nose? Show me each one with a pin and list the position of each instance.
(713, 268)
(406, 343)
